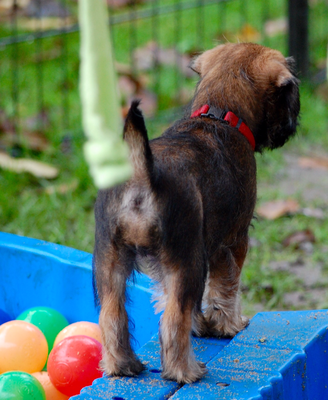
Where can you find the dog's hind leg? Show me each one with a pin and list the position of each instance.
(112, 268)
(222, 303)
(178, 359)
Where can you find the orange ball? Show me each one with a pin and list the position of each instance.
(23, 347)
(51, 392)
(80, 328)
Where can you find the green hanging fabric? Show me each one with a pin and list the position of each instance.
(105, 150)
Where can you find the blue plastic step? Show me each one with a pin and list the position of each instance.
(280, 355)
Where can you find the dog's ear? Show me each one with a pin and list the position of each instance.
(195, 64)
(280, 74)
(284, 106)
(285, 78)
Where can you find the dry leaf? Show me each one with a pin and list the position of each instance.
(127, 86)
(313, 162)
(297, 238)
(119, 3)
(36, 168)
(63, 188)
(37, 121)
(147, 57)
(277, 208)
(35, 24)
(313, 212)
(276, 26)
(31, 137)
(249, 34)
(148, 103)
(31, 140)
(6, 123)
(8, 4)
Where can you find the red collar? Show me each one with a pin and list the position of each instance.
(228, 116)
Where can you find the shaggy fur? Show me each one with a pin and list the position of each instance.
(185, 214)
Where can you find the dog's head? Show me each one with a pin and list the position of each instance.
(256, 83)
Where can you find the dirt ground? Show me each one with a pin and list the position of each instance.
(309, 185)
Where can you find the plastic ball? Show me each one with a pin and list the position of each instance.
(20, 386)
(4, 317)
(74, 363)
(80, 328)
(48, 320)
(51, 392)
(23, 347)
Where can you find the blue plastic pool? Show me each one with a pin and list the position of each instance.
(280, 355)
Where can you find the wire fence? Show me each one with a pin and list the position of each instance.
(153, 42)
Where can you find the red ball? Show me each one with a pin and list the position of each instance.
(74, 363)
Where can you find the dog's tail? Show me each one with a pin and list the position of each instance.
(135, 134)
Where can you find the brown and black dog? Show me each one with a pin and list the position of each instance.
(184, 215)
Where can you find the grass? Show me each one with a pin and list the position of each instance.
(263, 285)
(61, 211)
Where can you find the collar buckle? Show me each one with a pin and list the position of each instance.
(215, 113)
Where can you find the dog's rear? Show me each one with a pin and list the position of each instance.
(133, 225)
(188, 207)
(124, 217)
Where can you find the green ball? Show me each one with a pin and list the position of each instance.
(48, 320)
(20, 386)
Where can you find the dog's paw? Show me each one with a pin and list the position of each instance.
(199, 326)
(127, 367)
(185, 374)
(222, 325)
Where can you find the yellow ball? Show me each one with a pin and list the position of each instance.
(51, 392)
(80, 328)
(23, 347)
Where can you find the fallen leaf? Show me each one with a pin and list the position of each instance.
(297, 238)
(63, 188)
(127, 86)
(38, 121)
(118, 3)
(147, 57)
(313, 212)
(249, 34)
(35, 24)
(277, 208)
(35, 141)
(31, 140)
(313, 162)
(36, 168)
(148, 103)
(6, 123)
(276, 26)
(124, 3)
(8, 4)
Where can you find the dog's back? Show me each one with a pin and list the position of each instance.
(189, 204)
